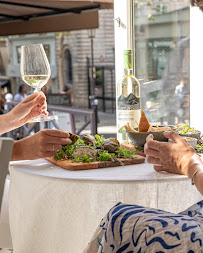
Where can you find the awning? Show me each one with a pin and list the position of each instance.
(39, 16)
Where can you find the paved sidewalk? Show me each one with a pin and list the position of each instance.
(106, 124)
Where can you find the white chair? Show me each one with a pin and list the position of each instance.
(6, 147)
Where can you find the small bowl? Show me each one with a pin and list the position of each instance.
(195, 135)
(190, 140)
(139, 138)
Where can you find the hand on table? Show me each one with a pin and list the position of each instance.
(178, 157)
(44, 143)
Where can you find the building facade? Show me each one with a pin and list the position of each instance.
(70, 56)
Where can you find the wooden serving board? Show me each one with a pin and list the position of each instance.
(68, 165)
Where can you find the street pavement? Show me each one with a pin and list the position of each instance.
(106, 124)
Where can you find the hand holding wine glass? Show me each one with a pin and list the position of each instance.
(31, 107)
(35, 70)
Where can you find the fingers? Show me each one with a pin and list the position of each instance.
(53, 148)
(34, 96)
(153, 160)
(59, 141)
(152, 144)
(173, 136)
(39, 100)
(150, 137)
(151, 152)
(56, 133)
(158, 167)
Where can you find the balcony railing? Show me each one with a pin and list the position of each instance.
(73, 111)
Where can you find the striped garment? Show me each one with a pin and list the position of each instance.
(137, 229)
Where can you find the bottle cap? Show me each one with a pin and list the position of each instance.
(127, 58)
(127, 51)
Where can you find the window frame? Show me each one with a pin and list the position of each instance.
(123, 11)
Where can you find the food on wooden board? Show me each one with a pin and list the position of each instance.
(85, 150)
(73, 137)
(89, 139)
(103, 150)
(111, 145)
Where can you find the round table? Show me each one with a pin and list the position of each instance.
(55, 210)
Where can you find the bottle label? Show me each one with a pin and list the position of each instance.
(128, 116)
(131, 102)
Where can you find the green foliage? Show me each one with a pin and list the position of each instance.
(199, 148)
(99, 140)
(105, 156)
(67, 150)
(84, 159)
(186, 129)
(124, 153)
(60, 154)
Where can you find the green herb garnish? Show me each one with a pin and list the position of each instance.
(124, 153)
(105, 156)
(186, 129)
(199, 148)
(99, 140)
(84, 159)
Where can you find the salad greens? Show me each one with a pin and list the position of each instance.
(103, 155)
(84, 159)
(186, 129)
(199, 148)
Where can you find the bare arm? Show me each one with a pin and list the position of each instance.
(178, 157)
(31, 107)
(42, 144)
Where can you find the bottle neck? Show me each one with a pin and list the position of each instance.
(128, 72)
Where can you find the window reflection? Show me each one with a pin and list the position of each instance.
(162, 48)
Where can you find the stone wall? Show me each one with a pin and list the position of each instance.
(79, 45)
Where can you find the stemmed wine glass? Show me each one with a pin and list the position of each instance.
(35, 70)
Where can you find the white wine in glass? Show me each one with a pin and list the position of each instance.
(35, 70)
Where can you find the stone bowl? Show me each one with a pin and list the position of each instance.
(139, 138)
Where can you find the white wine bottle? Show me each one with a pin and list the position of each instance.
(128, 99)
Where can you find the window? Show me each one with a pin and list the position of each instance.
(68, 67)
(158, 39)
(162, 59)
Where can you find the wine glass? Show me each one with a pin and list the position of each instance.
(35, 70)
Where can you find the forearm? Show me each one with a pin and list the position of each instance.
(6, 123)
(23, 149)
(198, 180)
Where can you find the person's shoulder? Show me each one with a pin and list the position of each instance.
(17, 97)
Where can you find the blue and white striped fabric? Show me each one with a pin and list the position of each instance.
(136, 229)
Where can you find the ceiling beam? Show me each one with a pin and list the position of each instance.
(47, 14)
(58, 23)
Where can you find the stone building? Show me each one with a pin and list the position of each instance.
(69, 54)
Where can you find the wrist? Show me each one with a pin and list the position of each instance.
(11, 121)
(18, 151)
(5, 123)
(194, 165)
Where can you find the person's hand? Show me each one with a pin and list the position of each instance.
(44, 143)
(178, 157)
(31, 107)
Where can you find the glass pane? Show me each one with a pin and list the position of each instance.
(162, 54)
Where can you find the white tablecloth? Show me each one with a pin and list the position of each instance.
(53, 210)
